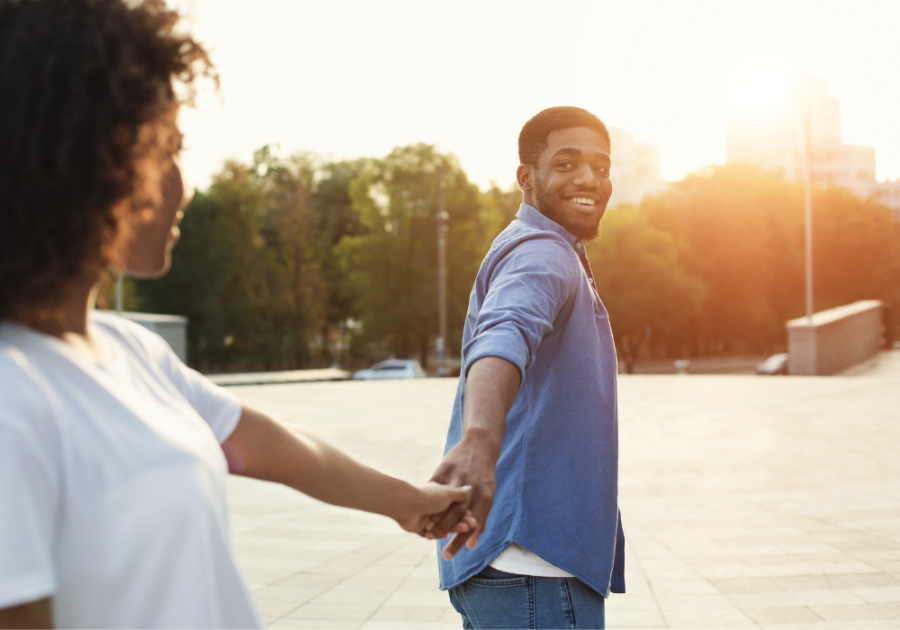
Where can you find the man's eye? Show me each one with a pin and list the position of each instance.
(603, 170)
(566, 164)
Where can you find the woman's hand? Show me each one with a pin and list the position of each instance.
(263, 448)
(434, 499)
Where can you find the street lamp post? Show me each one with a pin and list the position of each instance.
(807, 186)
(442, 276)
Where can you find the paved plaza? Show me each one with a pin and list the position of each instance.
(747, 502)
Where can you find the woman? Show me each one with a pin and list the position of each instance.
(113, 454)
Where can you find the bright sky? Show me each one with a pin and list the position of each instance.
(353, 78)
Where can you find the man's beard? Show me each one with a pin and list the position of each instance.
(587, 229)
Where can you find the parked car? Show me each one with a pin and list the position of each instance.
(393, 368)
(775, 364)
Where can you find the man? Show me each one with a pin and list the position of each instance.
(534, 429)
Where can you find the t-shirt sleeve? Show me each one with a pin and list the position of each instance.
(220, 408)
(29, 494)
(527, 289)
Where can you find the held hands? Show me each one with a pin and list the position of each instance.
(435, 499)
(472, 465)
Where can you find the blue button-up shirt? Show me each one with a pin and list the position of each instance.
(535, 304)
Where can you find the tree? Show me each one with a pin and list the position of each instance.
(503, 204)
(392, 266)
(644, 285)
(856, 250)
(334, 218)
(245, 271)
(202, 284)
(740, 231)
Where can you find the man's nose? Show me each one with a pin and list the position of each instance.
(585, 176)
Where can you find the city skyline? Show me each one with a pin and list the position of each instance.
(348, 79)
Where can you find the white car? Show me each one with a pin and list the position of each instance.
(393, 368)
(775, 364)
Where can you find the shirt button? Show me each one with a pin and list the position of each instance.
(591, 280)
(578, 245)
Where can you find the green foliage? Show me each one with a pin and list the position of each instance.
(282, 259)
(245, 272)
(335, 218)
(392, 266)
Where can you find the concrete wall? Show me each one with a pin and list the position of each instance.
(172, 328)
(837, 338)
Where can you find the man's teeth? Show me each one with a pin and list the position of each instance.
(582, 200)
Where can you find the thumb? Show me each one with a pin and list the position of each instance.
(461, 494)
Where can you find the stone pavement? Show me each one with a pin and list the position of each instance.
(747, 502)
(883, 364)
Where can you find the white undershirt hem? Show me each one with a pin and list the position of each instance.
(518, 560)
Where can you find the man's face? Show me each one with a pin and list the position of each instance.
(570, 183)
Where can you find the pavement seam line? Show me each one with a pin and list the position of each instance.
(341, 581)
(381, 605)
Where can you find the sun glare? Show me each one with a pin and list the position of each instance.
(758, 91)
(741, 63)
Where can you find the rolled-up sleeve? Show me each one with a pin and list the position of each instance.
(525, 291)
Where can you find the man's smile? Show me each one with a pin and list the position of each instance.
(581, 202)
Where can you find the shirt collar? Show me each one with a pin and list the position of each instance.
(530, 214)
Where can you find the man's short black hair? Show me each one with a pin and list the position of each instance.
(533, 137)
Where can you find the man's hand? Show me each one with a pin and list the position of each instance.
(491, 387)
(434, 498)
(466, 464)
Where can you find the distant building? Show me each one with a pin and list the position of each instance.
(635, 169)
(776, 141)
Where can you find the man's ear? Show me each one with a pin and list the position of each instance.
(524, 177)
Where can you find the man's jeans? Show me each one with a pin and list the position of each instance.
(496, 599)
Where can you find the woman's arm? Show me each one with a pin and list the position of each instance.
(263, 448)
(31, 615)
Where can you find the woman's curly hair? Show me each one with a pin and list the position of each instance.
(88, 107)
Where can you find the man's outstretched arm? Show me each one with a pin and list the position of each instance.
(491, 387)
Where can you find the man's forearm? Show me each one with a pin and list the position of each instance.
(491, 387)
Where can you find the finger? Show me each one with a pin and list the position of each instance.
(468, 523)
(473, 540)
(455, 545)
(434, 519)
(441, 496)
(451, 518)
(458, 495)
(442, 474)
(460, 527)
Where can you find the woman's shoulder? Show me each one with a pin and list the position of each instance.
(24, 397)
(138, 339)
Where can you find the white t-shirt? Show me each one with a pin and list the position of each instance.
(517, 559)
(112, 484)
